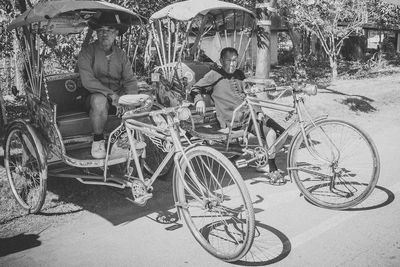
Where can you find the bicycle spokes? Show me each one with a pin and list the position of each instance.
(214, 205)
(335, 165)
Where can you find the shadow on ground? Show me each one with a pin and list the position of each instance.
(113, 204)
(357, 104)
(270, 246)
(18, 243)
(379, 198)
(354, 102)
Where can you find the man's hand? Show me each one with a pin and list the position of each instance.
(260, 116)
(201, 106)
(114, 99)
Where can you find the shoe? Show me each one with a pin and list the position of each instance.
(98, 149)
(276, 177)
(264, 169)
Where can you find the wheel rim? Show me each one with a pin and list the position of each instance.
(220, 220)
(24, 170)
(347, 177)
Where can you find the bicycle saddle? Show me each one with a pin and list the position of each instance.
(133, 100)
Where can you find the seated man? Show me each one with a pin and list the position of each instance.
(106, 73)
(225, 85)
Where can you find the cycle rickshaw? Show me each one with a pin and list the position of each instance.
(209, 192)
(334, 163)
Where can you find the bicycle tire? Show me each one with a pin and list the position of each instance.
(344, 190)
(227, 201)
(26, 167)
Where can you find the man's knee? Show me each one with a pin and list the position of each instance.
(98, 103)
(271, 134)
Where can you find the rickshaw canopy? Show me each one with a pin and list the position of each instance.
(70, 15)
(187, 10)
(394, 2)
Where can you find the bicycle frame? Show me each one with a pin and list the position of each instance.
(297, 108)
(169, 134)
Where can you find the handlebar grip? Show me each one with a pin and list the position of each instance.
(309, 89)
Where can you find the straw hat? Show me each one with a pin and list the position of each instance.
(109, 19)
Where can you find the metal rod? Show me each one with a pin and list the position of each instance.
(134, 153)
(161, 167)
(169, 40)
(178, 24)
(108, 151)
(234, 28)
(268, 104)
(185, 41)
(244, 54)
(163, 49)
(156, 41)
(225, 31)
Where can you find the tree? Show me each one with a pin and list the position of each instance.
(332, 21)
(383, 14)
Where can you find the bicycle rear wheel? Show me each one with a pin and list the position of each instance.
(340, 169)
(214, 201)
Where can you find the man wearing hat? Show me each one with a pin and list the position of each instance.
(106, 73)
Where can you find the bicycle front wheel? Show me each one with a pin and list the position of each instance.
(215, 204)
(340, 166)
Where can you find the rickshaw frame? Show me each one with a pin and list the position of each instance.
(42, 123)
(33, 145)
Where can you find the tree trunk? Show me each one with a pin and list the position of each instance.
(263, 62)
(18, 64)
(296, 40)
(333, 65)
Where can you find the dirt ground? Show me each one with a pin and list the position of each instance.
(373, 104)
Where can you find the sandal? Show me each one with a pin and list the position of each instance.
(276, 178)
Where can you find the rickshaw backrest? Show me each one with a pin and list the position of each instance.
(192, 71)
(64, 91)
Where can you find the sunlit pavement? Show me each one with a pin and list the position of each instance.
(290, 231)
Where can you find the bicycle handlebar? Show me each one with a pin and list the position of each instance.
(182, 112)
(256, 85)
(308, 89)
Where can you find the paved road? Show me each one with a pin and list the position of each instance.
(290, 231)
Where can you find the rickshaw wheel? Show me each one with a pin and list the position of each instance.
(26, 167)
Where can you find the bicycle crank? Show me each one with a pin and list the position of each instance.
(259, 156)
(140, 193)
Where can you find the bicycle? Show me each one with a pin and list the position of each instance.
(333, 162)
(209, 192)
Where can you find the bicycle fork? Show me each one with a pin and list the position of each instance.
(204, 199)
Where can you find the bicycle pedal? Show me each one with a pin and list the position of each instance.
(241, 163)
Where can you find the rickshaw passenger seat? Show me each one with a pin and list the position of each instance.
(63, 90)
(72, 118)
(78, 123)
